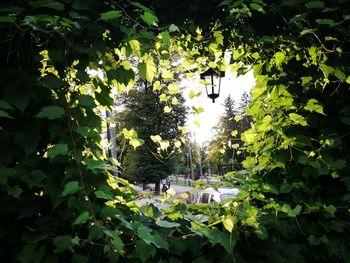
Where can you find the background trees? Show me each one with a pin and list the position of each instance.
(226, 151)
(143, 112)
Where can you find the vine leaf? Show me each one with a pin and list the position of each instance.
(166, 224)
(51, 112)
(58, 149)
(82, 218)
(70, 188)
(149, 19)
(110, 15)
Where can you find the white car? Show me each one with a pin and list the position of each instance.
(210, 195)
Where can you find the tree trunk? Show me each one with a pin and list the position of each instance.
(144, 185)
(157, 187)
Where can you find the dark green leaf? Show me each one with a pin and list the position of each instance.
(82, 218)
(110, 15)
(70, 188)
(51, 112)
(58, 149)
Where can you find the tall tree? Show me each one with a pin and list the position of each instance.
(224, 153)
(145, 113)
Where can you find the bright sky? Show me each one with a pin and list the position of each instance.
(230, 85)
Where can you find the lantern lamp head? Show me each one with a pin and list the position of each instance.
(213, 80)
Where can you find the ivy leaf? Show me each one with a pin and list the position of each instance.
(7, 19)
(5, 105)
(174, 101)
(4, 114)
(339, 74)
(307, 31)
(58, 149)
(173, 89)
(47, 4)
(330, 209)
(166, 224)
(51, 112)
(228, 223)
(31, 253)
(70, 188)
(279, 58)
(144, 251)
(103, 195)
(167, 109)
(135, 142)
(63, 243)
(329, 22)
(298, 119)
(197, 123)
(155, 138)
(149, 18)
(198, 110)
(147, 70)
(110, 15)
(157, 85)
(257, 7)
(14, 191)
(173, 28)
(82, 218)
(93, 164)
(314, 4)
(314, 106)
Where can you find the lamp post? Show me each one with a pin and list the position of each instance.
(212, 79)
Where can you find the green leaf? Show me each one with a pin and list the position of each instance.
(135, 142)
(5, 105)
(14, 191)
(70, 188)
(298, 119)
(82, 218)
(110, 15)
(147, 70)
(228, 223)
(173, 89)
(314, 106)
(47, 4)
(63, 243)
(31, 254)
(51, 112)
(314, 4)
(167, 109)
(307, 31)
(4, 114)
(198, 110)
(58, 149)
(348, 80)
(103, 195)
(144, 251)
(339, 74)
(257, 7)
(330, 209)
(166, 224)
(93, 164)
(149, 18)
(173, 28)
(325, 21)
(237, 118)
(7, 19)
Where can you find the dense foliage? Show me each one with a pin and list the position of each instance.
(57, 199)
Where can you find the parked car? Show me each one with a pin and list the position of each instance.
(211, 195)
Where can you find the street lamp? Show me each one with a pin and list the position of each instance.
(213, 79)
